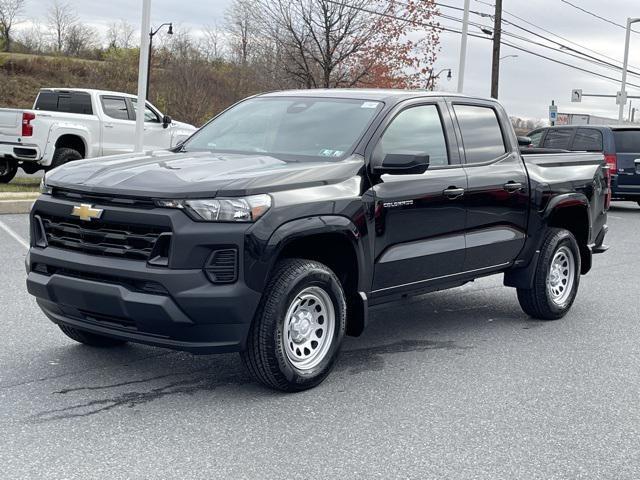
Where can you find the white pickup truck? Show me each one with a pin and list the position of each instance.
(70, 124)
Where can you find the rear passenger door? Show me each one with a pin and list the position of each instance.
(627, 145)
(118, 130)
(497, 197)
(588, 140)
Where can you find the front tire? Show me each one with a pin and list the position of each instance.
(299, 326)
(8, 170)
(90, 339)
(556, 279)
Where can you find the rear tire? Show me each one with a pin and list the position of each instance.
(556, 279)
(8, 170)
(298, 329)
(64, 155)
(90, 339)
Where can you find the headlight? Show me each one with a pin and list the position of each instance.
(240, 209)
(44, 188)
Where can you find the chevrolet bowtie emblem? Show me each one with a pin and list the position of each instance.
(86, 212)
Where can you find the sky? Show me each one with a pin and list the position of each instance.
(527, 83)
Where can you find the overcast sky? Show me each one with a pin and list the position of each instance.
(527, 83)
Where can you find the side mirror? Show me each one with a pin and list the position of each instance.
(166, 120)
(403, 164)
(524, 141)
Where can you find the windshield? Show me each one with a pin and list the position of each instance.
(288, 128)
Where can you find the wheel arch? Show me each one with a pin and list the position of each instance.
(336, 242)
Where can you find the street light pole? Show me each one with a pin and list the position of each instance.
(463, 46)
(151, 35)
(625, 67)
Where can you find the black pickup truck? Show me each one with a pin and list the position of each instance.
(275, 226)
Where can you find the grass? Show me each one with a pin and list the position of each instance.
(21, 185)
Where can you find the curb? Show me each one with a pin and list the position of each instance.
(16, 206)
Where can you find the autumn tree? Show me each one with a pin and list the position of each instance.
(335, 43)
(9, 12)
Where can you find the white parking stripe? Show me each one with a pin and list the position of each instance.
(16, 237)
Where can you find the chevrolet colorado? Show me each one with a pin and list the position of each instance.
(275, 226)
(70, 124)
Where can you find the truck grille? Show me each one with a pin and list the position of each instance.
(101, 238)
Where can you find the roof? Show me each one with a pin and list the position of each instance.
(89, 90)
(377, 94)
(594, 127)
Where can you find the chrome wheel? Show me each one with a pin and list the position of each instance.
(309, 327)
(561, 276)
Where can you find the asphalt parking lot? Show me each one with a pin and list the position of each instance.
(456, 384)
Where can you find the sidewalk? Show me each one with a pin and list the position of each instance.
(16, 202)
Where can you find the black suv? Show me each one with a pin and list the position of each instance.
(274, 227)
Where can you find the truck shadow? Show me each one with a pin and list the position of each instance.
(418, 322)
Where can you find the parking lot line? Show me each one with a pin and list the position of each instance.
(15, 236)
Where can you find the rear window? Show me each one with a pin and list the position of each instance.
(558, 138)
(536, 138)
(481, 133)
(588, 139)
(70, 102)
(627, 141)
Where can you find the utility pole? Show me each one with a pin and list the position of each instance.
(497, 34)
(623, 90)
(463, 46)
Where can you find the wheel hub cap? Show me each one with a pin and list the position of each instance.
(309, 327)
(561, 276)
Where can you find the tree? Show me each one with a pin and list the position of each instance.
(9, 12)
(120, 35)
(33, 39)
(61, 18)
(332, 43)
(211, 42)
(79, 39)
(242, 29)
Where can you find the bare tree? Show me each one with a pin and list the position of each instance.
(61, 18)
(242, 27)
(9, 12)
(120, 34)
(211, 42)
(79, 39)
(33, 39)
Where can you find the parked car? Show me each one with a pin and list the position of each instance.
(274, 228)
(70, 124)
(620, 145)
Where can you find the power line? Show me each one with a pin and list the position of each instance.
(578, 54)
(550, 40)
(589, 12)
(449, 29)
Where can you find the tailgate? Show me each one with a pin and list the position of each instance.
(627, 143)
(10, 124)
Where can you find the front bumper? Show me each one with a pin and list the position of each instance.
(176, 306)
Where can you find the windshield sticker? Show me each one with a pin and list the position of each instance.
(331, 153)
(369, 105)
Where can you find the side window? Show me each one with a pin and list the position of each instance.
(47, 101)
(536, 138)
(558, 138)
(588, 139)
(115, 107)
(81, 103)
(149, 115)
(481, 133)
(416, 130)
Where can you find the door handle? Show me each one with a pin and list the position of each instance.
(108, 125)
(513, 187)
(453, 192)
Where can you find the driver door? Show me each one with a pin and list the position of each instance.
(420, 219)
(156, 136)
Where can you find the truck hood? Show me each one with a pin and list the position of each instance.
(165, 174)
